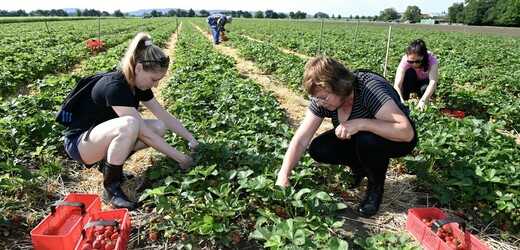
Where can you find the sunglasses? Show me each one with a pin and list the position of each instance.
(163, 61)
(414, 62)
(318, 99)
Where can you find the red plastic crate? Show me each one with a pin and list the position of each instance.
(62, 228)
(110, 215)
(453, 112)
(428, 238)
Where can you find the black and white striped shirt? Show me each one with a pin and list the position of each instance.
(371, 92)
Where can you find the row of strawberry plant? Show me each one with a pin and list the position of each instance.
(40, 48)
(230, 193)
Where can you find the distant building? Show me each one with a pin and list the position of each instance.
(429, 21)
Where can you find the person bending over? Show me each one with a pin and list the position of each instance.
(418, 72)
(371, 125)
(108, 127)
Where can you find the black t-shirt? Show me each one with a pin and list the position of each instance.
(96, 108)
(371, 92)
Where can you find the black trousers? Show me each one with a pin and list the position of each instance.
(412, 85)
(365, 150)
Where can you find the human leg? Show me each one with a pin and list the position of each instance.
(410, 78)
(216, 34)
(328, 148)
(422, 85)
(112, 141)
(374, 152)
(157, 126)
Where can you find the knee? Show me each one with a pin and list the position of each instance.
(368, 142)
(159, 128)
(316, 152)
(129, 126)
(410, 74)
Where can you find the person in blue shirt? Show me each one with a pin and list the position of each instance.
(216, 23)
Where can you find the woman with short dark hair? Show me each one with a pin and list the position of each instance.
(371, 125)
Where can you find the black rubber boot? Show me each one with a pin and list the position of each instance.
(113, 193)
(358, 174)
(126, 176)
(373, 198)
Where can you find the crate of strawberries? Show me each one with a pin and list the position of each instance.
(106, 230)
(434, 230)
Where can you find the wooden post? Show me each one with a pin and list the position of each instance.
(321, 36)
(355, 36)
(177, 27)
(48, 31)
(387, 49)
(99, 34)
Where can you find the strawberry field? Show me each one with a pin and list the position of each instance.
(228, 200)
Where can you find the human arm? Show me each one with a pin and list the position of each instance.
(148, 137)
(171, 122)
(389, 123)
(297, 147)
(433, 75)
(398, 82)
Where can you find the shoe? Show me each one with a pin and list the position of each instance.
(126, 176)
(372, 201)
(113, 194)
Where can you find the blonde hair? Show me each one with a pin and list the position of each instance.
(141, 50)
(326, 73)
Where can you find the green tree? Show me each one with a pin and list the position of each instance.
(454, 12)
(511, 15)
(412, 13)
(118, 13)
(388, 14)
(269, 14)
(170, 13)
(191, 13)
(247, 14)
(203, 13)
(259, 14)
(475, 11)
(321, 15)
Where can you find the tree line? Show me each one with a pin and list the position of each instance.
(154, 13)
(471, 12)
(486, 12)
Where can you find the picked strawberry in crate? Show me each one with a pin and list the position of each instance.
(109, 229)
(434, 230)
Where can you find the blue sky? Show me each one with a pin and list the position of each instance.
(330, 7)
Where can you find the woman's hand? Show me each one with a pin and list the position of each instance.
(193, 144)
(421, 105)
(186, 162)
(282, 181)
(346, 129)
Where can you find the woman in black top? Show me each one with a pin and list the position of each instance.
(108, 127)
(371, 125)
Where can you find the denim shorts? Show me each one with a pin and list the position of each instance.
(71, 147)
